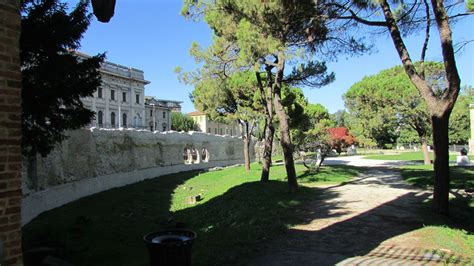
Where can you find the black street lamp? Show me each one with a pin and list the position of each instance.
(103, 9)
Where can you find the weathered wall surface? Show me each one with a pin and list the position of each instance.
(91, 161)
(10, 133)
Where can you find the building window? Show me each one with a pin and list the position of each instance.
(124, 97)
(220, 131)
(164, 128)
(124, 120)
(99, 92)
(215, 131)
(112, 95)
(151, 112)
(209, 130)
(112, 119)
(137, 98)
(164, 114)
(100, 118)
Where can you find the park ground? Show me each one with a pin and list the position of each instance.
(355, 211)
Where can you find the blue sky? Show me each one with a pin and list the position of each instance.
(152, 35)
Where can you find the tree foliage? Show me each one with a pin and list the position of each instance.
(381, 105)
(316, 138)
(182, 122)
(225, 91)
(339, 118)
(339, 138)
(271, 36)
(54, 79)
(459, 126)
(400, 18)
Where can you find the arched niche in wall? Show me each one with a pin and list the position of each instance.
(187, 156)
(204, 155)
(195, 156)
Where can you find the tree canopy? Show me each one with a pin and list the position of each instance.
(399, 19)
(54, 78)
(382, 105)
(182, 122)
(269, 37)
(459, 122)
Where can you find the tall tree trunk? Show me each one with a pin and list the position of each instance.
(441, 163)
(267, 152)
(284, 128)
(246, 141)
(247, 154)
(439, 107)
(269, 129)
(424, 149)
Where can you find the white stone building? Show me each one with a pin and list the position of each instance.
(120, 100)
(158, 113)
(205, 124)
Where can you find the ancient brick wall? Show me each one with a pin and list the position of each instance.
(10, 134)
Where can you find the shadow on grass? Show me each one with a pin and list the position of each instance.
(358, 236)
(461, 176)
(105, 228)
(461, 206)
(232, 227)
(461, 213)
(328, 173)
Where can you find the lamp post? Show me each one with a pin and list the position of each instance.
(103, 9)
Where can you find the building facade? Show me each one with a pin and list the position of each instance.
(158, 113)
(205, 124)
(120, 100)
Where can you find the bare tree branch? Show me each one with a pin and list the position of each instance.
(427, 38)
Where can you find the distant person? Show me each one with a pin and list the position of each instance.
(463, 159)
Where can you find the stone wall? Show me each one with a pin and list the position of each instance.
(10, 134)
(91, 161)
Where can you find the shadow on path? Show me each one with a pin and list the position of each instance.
(352, 228)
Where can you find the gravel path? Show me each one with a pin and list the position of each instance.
(354, 224)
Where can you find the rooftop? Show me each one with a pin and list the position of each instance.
(195, 113)
(152, 98)
(119, 70)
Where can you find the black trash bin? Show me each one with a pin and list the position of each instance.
(170, 247)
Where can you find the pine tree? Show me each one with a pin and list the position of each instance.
(400, 19)
(54, 78)
(273, 36)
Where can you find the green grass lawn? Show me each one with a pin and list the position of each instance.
(408, 156)
(237, 213)
(456, 231)
(421, 176)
